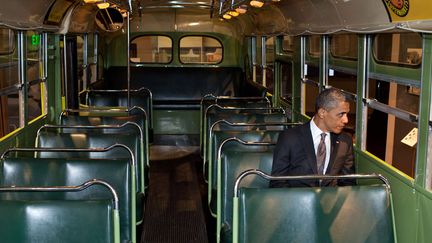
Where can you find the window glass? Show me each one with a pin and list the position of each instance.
(314, 45)
(270, 56)
(348, 83)
(200, 49)
(385, 132)
(311, 89)
(258, 60)
(344, 46)
(9, 92)
(288, 43)
(6, 41)
(398, 48)
(151, 49)
(34, 65)
(286, 75)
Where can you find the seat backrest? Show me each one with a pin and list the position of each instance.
(81, 221)
(232, 163)
(70, 172)
(95, 139)
(217, 138)
(232, 116)
(328, 214)
(96, 120)
(233, 102)
(119, 98)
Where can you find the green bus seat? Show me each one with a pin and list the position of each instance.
(119, 98)
(230, 101)
(328, 214)
(94, 139)
(73, 171)
(232, 163)
(216, 143)
(259, 116)
(48, 220)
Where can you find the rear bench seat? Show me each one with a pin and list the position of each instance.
(194, 82)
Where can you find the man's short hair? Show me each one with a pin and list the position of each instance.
(329, 99)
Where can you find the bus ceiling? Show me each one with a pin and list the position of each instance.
(293, 17)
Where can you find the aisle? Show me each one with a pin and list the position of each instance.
(174, 211)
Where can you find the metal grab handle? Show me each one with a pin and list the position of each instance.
(81, 187)
(260, 173)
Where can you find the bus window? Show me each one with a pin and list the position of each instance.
(398, 48)
(151, 49)
(9, 92)
(286, 76)
(385, 132)
(34, 64)
(344, 46)
(200, 50)
(258, 65)
(270, 55)
(348, 83)
(288, 43)
(6, 41)
(314, 46)
(312, 90)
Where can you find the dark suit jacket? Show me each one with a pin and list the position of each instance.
(295, 155)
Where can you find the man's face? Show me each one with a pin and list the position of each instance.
(334, 120)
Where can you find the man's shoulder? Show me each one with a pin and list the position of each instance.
(297, 130)
(344, 137)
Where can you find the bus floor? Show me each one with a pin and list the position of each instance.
(174, 208)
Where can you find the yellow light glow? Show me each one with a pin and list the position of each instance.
(226, 16)
(233, 13)
(92, 1)
(256, 3)
(103, 5)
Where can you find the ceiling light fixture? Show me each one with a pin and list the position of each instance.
(103, 5)
(257, 3)
(233, 13)
(226, 16)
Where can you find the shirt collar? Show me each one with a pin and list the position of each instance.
(316, 132)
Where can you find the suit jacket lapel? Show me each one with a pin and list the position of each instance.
(333, 148)
(309, 147)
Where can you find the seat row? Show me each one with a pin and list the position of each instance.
(101, 146)
(237, 148)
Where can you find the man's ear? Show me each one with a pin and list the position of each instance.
(321, 113)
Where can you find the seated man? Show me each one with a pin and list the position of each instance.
(318, 146)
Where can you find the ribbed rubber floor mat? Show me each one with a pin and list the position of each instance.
(174, 210)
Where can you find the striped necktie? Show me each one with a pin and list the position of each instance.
(321, 154)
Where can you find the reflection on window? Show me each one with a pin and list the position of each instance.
(200, 49)
(286, 75)
(314, 45)
(344, 46)
(288, 43)
(398, 48)
(151, 49)
(6, 41)
(385, 132)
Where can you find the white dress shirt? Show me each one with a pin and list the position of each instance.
(316, 136)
